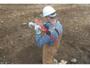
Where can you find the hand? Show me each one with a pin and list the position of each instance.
(35, 26)
(31, 24)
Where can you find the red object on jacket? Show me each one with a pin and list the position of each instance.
(39, 22)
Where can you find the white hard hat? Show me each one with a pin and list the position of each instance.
(48, 10)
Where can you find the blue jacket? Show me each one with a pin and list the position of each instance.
(46, 39)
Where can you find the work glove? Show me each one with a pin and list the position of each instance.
(35, 26)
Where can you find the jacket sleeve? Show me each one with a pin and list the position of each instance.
(59, 27)
(41, 40)
(45, 39)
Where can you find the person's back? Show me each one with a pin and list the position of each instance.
(50, 41)
(50, 50)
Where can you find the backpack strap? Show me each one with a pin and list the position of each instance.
(57, 31)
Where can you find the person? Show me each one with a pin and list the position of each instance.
(51, 38)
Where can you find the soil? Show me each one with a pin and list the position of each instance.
(17, 42)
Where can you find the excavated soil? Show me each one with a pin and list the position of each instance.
(17, 43)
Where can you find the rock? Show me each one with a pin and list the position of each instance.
(74, 60)
(55, 61)
(63, 62)
(2, 21)
(1, 47)
(24, 23)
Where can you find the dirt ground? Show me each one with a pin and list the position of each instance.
(17, 44)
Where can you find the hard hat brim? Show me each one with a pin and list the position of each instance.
(54, 15)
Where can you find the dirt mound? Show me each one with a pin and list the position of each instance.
(17, 43)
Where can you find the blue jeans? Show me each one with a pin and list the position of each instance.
(42, 40)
